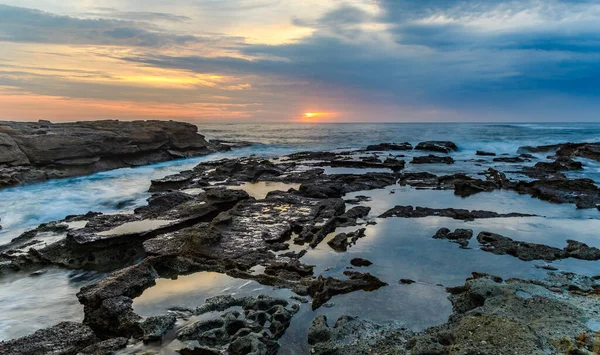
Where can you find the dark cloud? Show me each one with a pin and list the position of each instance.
(442, 64)
(28, 25)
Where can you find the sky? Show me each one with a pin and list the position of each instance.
(306, 61)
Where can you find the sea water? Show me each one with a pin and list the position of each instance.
(399, 248)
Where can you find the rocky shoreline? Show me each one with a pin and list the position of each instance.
(202, 220)
(37, 151)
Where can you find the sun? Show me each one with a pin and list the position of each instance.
(309, 115)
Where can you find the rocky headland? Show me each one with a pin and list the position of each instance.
(37, 151)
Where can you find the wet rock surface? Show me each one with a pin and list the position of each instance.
(36, 151)
(201, 220)
(461, 214)
(497, 244)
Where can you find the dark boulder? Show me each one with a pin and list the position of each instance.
(360, 262)
(437, 146)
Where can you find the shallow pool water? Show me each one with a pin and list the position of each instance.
(260, 190)
(40, 300)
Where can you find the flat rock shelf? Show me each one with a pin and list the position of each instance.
(37, 151)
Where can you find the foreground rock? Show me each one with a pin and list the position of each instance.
(490, 316)
(106, 242)
(496, 317)
(197, 222)
(253, 330)
(37, 151)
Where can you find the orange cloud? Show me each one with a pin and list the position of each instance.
(31, 107)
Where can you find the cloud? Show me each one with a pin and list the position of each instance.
(430, 54)
(27, 25)
(498, 57)
(147, 16)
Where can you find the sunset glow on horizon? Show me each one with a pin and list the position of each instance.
(267, 61)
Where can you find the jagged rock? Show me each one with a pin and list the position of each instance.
(582, 251)
(324, 288)
(552, 170)
(437, 146)
(338, 185)
(500, 245)
(292, 270)
(341, 241)
(460, 236)
(155, 327)
(568, 150)
(241, 333)
(560, 164)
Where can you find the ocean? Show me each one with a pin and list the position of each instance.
(111, 191)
